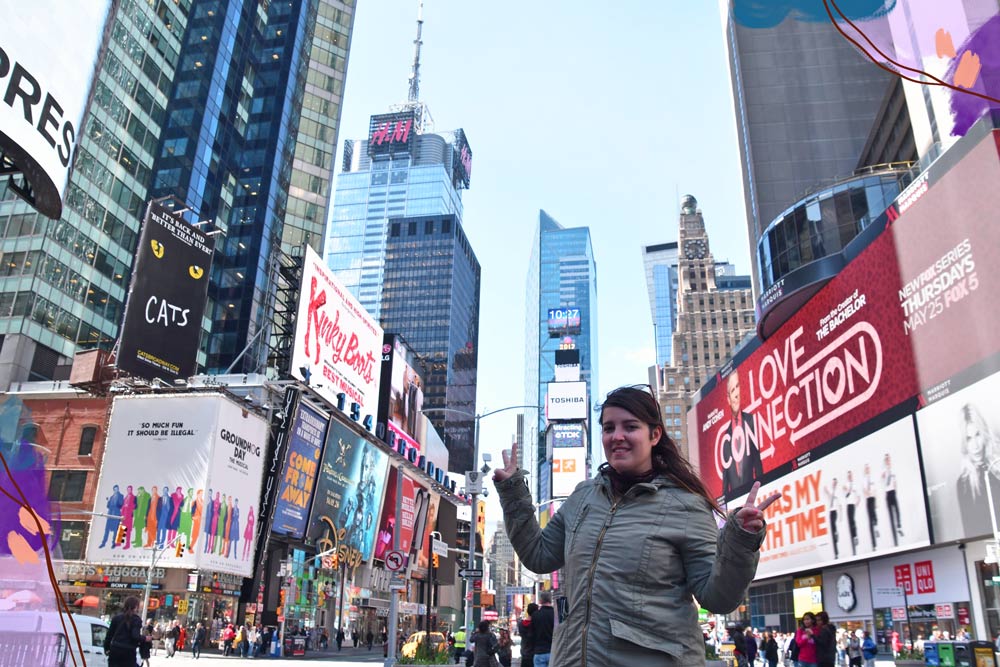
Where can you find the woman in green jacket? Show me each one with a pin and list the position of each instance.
(637, 545)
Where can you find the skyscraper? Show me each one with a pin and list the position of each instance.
(805, 99)
(63, 282)
(561, 305)
(249, 140)
(431, 296)
(709, 325)
(396, 241)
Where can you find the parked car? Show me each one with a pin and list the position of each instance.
(40, 639)
(437, 641)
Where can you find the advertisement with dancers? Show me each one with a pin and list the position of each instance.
(862, 501)
(179, 469)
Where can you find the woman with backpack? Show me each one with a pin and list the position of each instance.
(485, 645)
(124, 635)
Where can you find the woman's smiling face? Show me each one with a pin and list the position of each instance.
(628, 441)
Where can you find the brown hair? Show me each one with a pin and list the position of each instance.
(667, 458)
(131, 605)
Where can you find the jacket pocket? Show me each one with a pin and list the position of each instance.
(576, 528)
(639, 637)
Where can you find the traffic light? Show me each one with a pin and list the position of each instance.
(120, 535)
(179, 549)
(437, 561)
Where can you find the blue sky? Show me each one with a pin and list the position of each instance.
(598, 113)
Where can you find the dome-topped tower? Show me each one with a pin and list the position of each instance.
(689, 205)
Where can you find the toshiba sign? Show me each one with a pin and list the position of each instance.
(566, 401)
(49, 50)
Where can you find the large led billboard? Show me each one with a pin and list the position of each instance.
(348, 496)
(402, 393)
(390, 133)
(566, 401)
(185, 468)
(338, 345)
(569, 468)
(302, 460)
(960, 440)
(567, 435)
(864, 500)
(49, 54)
(910, 310)
(161, 330)
(564, 321)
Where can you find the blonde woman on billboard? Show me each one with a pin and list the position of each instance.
(980, 449)
(637, 544)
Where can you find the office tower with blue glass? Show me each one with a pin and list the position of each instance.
(249, 141)
(561, 304)
(396, 241)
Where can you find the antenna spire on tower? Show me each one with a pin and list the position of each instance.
(414, 94)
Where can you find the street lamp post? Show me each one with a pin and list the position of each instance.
(474, 496)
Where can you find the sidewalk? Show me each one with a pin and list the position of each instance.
(348, 653)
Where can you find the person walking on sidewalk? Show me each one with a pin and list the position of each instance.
(197, 640)
(527, 637)
(340, 638)
(543, 623)
(370, 638)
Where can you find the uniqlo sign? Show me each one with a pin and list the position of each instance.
(925, 576)
(904, 578)
(922, 571)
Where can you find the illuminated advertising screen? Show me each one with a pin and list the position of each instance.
(49, 54)
(390, 133)
(960, 441)
(917, 301)
(862, 501)
(181, 468)
(338, 345)
(569, 468)
(402, 396)
(567, 435)
(349, 490)
(462, 161)
(305, 444)
(566, 400)
(161, 330)
(564, 321)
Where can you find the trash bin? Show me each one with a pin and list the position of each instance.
(946, 654)
(963, 657)
(983, 654)
(931, 657)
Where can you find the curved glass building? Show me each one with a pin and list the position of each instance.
(803, 248)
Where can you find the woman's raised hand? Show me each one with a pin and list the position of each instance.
(751, 516)
(509, 464)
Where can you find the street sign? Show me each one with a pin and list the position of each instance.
(474, 482)
(470, 574)
(397, 586)
(395, 560)
(440, 548)
(519, 590)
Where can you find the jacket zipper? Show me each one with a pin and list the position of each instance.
(590, 576)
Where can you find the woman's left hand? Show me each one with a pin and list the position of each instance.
(750, 517)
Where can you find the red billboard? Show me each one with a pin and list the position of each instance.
(913, 308)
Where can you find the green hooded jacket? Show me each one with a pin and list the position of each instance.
(632, 569)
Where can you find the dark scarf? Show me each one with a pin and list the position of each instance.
(621, 483)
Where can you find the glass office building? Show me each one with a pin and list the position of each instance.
(562, 273)
(370, 191)
(395, 239)
(660, 263)
(248, 144)
(63, 282)
(431, 296)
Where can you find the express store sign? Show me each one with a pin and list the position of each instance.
(916, 300)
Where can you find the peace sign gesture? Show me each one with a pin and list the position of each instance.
(750, 517)
(509, 464)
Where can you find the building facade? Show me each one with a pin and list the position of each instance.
(248, 145)
(561, 306)
(431, 295)
(710, 323)
(64, 282)
(791, 83)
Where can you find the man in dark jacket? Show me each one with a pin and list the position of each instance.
(826, 641)
(527, 638)
(739, 645)
(198, 641)
(543, 622)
